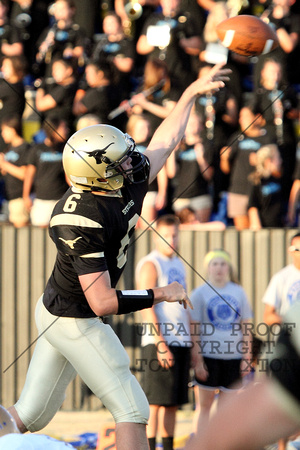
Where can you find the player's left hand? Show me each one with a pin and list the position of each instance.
(186, 302)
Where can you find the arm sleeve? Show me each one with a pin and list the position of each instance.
(58, 93)
(253, 199)
(83, 266)
(79, 241)
(271, 295)
(32, 156)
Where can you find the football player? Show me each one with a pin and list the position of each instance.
(91, 227)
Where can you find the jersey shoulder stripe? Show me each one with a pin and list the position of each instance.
(93, 255)
(75, 220)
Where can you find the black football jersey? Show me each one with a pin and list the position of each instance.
(91, 233)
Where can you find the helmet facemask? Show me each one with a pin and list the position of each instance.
(138, 172)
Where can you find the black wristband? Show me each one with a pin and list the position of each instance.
(130, 301)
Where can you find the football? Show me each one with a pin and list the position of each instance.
(247, 35)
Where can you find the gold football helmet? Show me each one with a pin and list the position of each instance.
(93, 158)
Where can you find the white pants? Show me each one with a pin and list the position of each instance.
(89, 347)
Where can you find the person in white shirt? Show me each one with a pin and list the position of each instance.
(166, 337)
(284, 287)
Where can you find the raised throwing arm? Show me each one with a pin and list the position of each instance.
(171, 131)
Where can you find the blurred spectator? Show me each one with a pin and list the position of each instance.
(235, 159)
(138, 127)
(223, 358)
(156, 105)
(283, 289)
(189, 221)
(168, 349)
(13, 166)
(191, 172)
(220, 110)
(293, 206)
(12, 94)
(220, 115)
(55, 96)
(193, 9)
(216, 14)
(209, 5)
(287, 24)
(45, 173)
(64, 39)
(266, 206)
(10, 39)
(278, 105)
(172, 36)
(88, 15)
(30, 18)
(117, 49)
(86, 121)
(98, 94)
(12, 99)
(133, 15)
(234, 7)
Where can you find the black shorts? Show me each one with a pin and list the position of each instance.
(166, 386)
(222, 373)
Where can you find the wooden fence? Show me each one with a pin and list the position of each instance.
(26, 261)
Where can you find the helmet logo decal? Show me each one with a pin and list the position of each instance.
(98, 154)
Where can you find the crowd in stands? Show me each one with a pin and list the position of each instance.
(126, 64)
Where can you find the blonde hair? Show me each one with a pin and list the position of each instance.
(87, 120)
(132, 123)
(220, 253)
(261, 171)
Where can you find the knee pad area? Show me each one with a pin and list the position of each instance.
(128, 403)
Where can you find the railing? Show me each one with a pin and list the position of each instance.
(26, 261)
